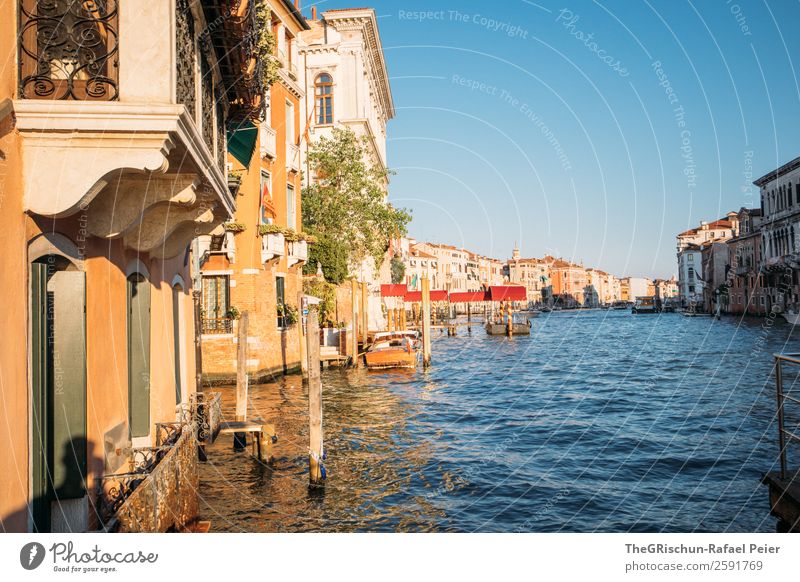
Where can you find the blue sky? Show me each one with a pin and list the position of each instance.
(592, 130)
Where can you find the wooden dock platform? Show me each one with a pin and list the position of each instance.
(784, 499)
(264, 436)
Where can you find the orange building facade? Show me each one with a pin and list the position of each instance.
(254, 264)
(569, 282)
(113, 160)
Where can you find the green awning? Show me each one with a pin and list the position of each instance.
(242, 142)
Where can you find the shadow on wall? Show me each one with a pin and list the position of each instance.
(60, 509)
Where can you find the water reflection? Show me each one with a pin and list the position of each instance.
(599, 421)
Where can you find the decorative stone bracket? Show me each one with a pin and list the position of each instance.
(138, 172)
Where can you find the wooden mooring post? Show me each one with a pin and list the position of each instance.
(354, 315)
(364, 314)
(426, 322)
(315, 447)
(240, 438)
(300, 334)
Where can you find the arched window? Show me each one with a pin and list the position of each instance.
(323, 93)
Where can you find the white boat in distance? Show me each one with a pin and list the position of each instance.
(791, 316)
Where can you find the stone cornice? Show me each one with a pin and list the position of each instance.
(775, 174)
(291, 85)
(364, 21)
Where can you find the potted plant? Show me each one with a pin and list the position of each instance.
(234, 227)
(265, 229)
(287, 315)
(234, 179)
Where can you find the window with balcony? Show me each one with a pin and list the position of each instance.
(68, 49)
(216, 304)
(323, 93)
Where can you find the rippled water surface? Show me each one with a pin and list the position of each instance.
(599, 421)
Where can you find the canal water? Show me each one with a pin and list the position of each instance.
(599, 421)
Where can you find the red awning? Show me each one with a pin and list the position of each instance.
(468, 297)
(416, 296)
(393, 290)
(507, 293)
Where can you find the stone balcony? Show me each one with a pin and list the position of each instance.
(150, 181)
(292, 158)
(273, 245)
(268, 142)
(298, 252)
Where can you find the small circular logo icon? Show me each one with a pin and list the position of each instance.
(31, 555)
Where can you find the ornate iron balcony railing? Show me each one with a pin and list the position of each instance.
(68, 49)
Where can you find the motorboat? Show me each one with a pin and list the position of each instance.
(393, 349)
(644, 305)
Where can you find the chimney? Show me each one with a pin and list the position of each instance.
(313, 13)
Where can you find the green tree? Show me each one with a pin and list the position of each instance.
(332, 255)
(346, 201)
(398, 270)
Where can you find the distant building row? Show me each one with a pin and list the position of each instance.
(549, 280)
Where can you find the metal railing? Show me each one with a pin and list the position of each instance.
(218, 325)
(157, 491)
(785, 436)
(207, 415)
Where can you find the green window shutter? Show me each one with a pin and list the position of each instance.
(139, 355)
(69, 384)
(39, 418)
(176, 340)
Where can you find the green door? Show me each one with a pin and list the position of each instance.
(58, 347)
(138, 355)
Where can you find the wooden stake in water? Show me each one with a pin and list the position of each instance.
(301, 338)
(426, 322)
(315, 445)
(240, 438)
(354, 342)
(241, 368)
(364, 320)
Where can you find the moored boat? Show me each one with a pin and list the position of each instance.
(791, 316)
(393, 349)
(644, 305)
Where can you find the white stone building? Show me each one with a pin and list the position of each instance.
(690, 267)
(346, 85)
(780, 229)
